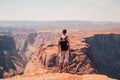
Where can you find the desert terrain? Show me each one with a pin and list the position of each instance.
(44, 63)
(29, 50)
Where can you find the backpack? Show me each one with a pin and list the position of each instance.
(64, 43)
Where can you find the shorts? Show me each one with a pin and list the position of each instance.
(64, 56)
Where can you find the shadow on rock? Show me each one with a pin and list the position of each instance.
(104, 51)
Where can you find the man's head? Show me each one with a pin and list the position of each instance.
(64, 31)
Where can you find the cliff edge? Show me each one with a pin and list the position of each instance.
(10, 62)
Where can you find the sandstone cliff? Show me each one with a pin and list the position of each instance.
(81, 62)
(104, 51)
(10, 62)
(44, 63)
(48, 55)
(26, 43)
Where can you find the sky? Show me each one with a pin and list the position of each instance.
(51, 10)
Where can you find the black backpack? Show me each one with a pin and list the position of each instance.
(64, 43)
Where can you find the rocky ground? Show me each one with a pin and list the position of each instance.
(38, 72)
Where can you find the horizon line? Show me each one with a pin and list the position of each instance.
(61, 20)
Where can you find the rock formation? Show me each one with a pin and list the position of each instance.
(26, 43)
(8, 33)
(10, 62)
(104, 51)
(93, 52)
(44, 63)
(79, 63)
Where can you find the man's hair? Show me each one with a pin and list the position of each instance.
(64, 31)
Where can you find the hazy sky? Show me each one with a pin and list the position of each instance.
(91, 10)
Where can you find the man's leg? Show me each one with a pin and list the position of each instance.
(60, 67)
(61, 62)
(66, 65)
(67, 61)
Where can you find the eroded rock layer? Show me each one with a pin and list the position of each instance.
(10, 62)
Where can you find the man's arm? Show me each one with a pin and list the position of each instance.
(68, 44)
(59, 50)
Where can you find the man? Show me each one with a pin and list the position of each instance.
(64, 50)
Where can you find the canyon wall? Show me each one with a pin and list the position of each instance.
(93, 53)
(47, 54)
(104, 51)
(26, 43)
(10, 62)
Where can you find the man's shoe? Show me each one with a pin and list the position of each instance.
(60, 71)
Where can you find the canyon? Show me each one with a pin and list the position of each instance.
(11, 63)
(33, 54)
